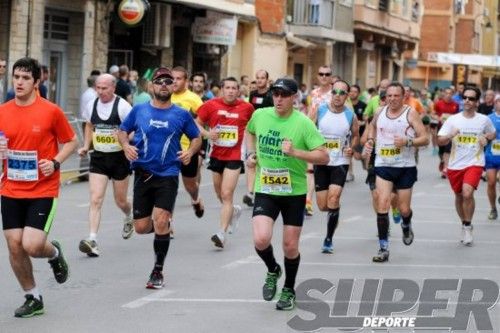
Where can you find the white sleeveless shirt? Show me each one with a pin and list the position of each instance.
(336, 130)
(387, 155)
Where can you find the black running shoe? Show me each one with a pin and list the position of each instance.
(382, 256)
(199, 209)
(269, 288)
(287, 300)
(407, 234)
(155, 280)
(31, 307)
(59, 264)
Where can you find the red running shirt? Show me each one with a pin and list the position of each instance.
(230, 120)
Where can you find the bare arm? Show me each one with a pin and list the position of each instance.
(129, 150)
(251, 158)
(47, 167)
(87, 139)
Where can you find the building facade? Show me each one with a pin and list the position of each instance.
(471, 28)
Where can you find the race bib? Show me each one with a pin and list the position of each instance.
(495, 147)
(390, 154)
(228, 136)
(466, 141)
(22, 165)
(275, 181)
(105, 141)
(333, 146)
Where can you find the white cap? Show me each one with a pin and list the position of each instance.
(113, 69)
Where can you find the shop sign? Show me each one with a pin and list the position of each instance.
(215, 30)
(131, 12)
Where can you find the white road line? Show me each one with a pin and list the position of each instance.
(211, 300)
(240, 262)
(353, 218)
(423, 240)
(440, 185)
(153, 297)
(83, 205)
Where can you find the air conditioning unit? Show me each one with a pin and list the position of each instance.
(383, 5)
(156, 28)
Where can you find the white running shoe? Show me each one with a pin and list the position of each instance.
(128, 227)
(235, 219)
(467, 235)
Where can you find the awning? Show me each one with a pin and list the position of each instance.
(224, 6)
(299, 41)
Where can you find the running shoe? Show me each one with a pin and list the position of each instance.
(89, 247)
(327, 246)
(31, 307)
(349, 178)
(269, 287)
(407, 234)
(248, 199)
(199, 208)
(493, 215)
(382, 256)
(396, 215)
(218, 240)
(235, 219)
(309, 209)
(155, 280)
(287, 300)
(59, 264)
(128, 227)
(467, 235)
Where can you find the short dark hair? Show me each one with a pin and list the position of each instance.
(358, 88)
(30, 65)
(197, 74)
(231, 79)
(397, 85)
(474, 89)
(95, 72)
(344, 82)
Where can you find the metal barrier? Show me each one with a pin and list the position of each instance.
(75, 166)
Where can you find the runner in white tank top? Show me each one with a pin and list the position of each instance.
(398, 129)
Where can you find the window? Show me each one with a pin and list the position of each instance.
(56, 27)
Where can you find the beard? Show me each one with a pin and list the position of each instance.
(162, 96)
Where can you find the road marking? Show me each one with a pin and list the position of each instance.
(153, 297)
(440, 185)
(353, 218)
(240, 262)
(83, 205)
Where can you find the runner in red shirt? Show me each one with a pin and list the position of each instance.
(34, 128)
(227, 118)
(444, 108)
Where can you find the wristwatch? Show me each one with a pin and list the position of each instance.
(57, 164)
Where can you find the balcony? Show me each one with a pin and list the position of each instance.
(318, 13)
(314, 19)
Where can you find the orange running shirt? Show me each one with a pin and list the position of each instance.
(34, 132)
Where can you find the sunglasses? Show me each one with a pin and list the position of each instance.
(470, 98)
(324, 74)
(339, 92)
(282, 93)
(165, 81)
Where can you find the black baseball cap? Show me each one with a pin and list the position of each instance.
(286, 84)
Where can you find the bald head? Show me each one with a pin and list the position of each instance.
(105, 87)
(383, 85)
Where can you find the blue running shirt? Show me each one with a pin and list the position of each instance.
(157, 134)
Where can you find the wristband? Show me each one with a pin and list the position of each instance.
(249, 154)
(409, 142)
(57, 164)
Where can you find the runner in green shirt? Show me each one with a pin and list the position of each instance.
(281, 140)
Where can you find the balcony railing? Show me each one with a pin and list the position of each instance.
(311, 12)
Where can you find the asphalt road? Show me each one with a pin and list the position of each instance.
(209, 290)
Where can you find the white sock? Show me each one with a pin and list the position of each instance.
(56, 253)
(34, 291)
(93, 236)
